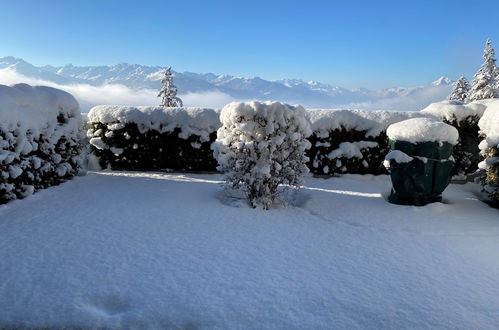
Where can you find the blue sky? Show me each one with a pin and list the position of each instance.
(348, 43)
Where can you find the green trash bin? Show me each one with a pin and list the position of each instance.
(420, 161)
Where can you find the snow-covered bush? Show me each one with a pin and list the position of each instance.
(351, 141)
(489, 149)
(40, 139)
(153, 138)
(260, 146)
(464, 117)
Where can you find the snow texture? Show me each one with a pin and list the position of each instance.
(40, 139)
(373, 122)
(351, 149)
(489, 149)
(262, 145)
(489, 125)
(450, 110)
(397, 156)
(418, 130)
(34, 109)
(168, 251)
(191, 121)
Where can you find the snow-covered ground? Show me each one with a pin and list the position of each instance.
(152, 250)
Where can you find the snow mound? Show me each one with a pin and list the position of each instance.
(374, 122)
(397, 156)
(40, 139)
(191, 121)
(351, 149)
(489, 126)
(36, 109)
(450, 110)
(417, 130)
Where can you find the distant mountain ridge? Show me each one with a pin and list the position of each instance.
(310, 94)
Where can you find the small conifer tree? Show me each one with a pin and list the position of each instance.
(168, 92)
(460, 91)
(485, 82)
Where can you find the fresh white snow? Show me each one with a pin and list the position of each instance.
(351, 149)
(35, 108)
(262, 145)
(191, 121)
(155, 250)
(417, 130)
(397, 156)
(40, 132)
(489, 126)
(372, 121)
(455, 110)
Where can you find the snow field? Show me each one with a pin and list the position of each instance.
(133, 252)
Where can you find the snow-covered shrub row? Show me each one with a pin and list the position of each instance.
(464, 117)
(260, 146)
(152, 138)
(343, 141)
(351, 141)
(489, 149)
(40, 139)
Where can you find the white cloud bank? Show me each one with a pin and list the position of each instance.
(418, 99)
(116, 94)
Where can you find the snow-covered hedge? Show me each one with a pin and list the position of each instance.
(351, 141)
(489, 149)
(40, 139)
(343, 141)
(464, 117)
(260, 146)
(152, 138)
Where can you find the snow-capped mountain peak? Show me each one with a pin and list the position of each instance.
(442, 81)
(308, 93)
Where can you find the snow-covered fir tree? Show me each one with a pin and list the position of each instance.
(260, 146)
(460, 91)
(485, 82)
(168, 92)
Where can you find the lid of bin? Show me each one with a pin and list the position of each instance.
(417, 130)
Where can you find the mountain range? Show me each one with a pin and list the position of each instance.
(145, 80)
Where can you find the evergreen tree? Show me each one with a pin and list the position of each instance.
(460, 91)
(484, 84)
(168, 92)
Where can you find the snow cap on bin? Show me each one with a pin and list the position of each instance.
(418, 130)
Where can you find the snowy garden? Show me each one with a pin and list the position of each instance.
(259, 214)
